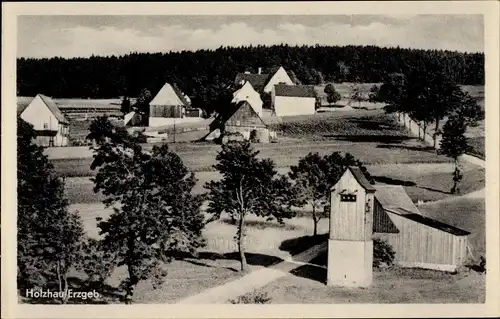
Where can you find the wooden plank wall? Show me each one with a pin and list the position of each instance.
(420, 243)
(347, 219)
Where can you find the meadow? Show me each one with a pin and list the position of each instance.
(391, 156)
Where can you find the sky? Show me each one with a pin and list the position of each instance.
(82, 36)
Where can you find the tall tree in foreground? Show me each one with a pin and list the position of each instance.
(49, 236)
(454, 144)
(249, 185)
(315, 175)
(155, 215)
(332, 96)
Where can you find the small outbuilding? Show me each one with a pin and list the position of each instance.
(361, 212)
(239, 121)
(418, 241)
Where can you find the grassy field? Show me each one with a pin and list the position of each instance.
(421, 181)
(201, 157)
(306, 285)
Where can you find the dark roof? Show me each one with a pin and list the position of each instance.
(223, 118)
(258, 81)
(294, 90)
(180, 94)
(53, 108)
(394, 196)
(361, 178)
(429, 222)
(22, 103)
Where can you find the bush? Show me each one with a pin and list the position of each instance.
(252, 298)
(383, 253)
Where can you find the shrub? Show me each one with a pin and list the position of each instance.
(383, 253)
(252, 298)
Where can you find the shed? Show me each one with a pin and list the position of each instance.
(239, 118)
(418, 241)
(169, 103)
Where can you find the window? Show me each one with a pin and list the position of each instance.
(347, 197)
(45, 125)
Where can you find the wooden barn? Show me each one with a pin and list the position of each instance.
(239, 120)
(361, 212)
(419, 241)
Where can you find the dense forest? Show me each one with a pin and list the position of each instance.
(203, 74)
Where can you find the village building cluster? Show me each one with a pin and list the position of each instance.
(242, 119)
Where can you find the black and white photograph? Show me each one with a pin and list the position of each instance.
(251, 158)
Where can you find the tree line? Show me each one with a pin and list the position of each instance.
(204, 75)
(431, 97)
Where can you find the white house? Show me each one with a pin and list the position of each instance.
(264, 82)
(289, 100)
(247, 93)
(279, 76)
(169, 107)
(51, 126)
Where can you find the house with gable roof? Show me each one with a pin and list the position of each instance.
(171, 106)
(49, 123)
(247, 93)
(264, 82)
(240, 121)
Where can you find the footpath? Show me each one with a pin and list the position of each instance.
(256, 279)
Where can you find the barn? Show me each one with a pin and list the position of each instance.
(49, 123)
(169, 107)
(240, 120)
(247, 93)
(419, 241)
(289, 100)
(361, 212)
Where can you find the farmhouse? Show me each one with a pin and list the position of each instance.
(289, 100)
(361, 212)
(241, 120)
(247, 93)
(51, 126)
(264, 82)
(171, 106)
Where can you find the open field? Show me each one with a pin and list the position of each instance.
(306, 285)
(201, 157)
(420, 181)
(371, 136)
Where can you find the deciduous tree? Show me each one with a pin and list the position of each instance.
(332, 96)
(249, 185)
(155, 217)
(49, 236)
(315, 175)
(454, 144)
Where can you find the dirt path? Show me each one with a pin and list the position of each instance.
(254, 280)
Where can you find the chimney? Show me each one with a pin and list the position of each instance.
(260, 70)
